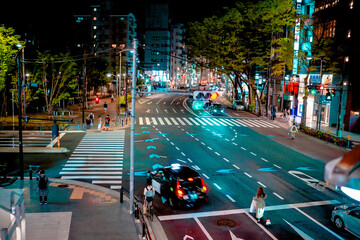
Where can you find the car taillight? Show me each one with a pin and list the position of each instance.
(178, 192)
(203, 185)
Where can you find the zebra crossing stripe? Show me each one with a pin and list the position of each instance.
(213, 121)
(91, 168)
(269, 124)
(235, 122)
(172, 119)
(249, 123)
(196, 123)
(94, 165)
(154, 121)
(147, 120)
(187, 121)
(238, 121)
(91, 177)
(106, 182)
(182, 123)
(86, 172)
(161, 121)
(244, 123)
(208, 122)
(228, 123)
(167, 120)
(219, 122)
(141, 122)
(202, 123)
(265, 124)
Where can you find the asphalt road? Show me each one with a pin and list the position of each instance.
(234, 161)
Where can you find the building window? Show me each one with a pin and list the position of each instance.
(95, 9)
(347, 59)
(155, 53)
(351, 4)
(155, 38)
(155, 45)
(94, 27)
(164, 38)
(94, 36)
(94, 18)
(163, 60)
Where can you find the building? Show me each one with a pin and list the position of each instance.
(178, 61)
(157, 43)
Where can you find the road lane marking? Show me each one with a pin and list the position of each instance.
(154, 121)
(210, 148)
(247, 174)
(100, 164)
(200, 121)
(216, 120)
(203, 229)
(177, 148)
(236, 166)
(91, 177)
(234, 143)
(147, 120)
(243, 148)
(202, 143)
(264, 159)
(243, 210)
(208, 122)
(231, 199)
(161, 121)
(167, 139)
(181, 160)
(261, 226)
(157, 110)
(72, 168)
(206, 176)
(187, 121)
(278, 195)
(217, 186)
(86, 172)
(189, 160)
(277, 166)
(183, 154)
(226, 159)
(196, 139)
(253, 153)
(196, 123)
(263, 185)
(312, 219)
(141, 122)
(196, 167)
(171, 143)
(106, 182)
(174, 110)
(217, 153)
(181, 121)
(226, 122)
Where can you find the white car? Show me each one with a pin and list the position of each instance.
(348, 217)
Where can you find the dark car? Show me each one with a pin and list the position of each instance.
(180, 185)
(216, 109)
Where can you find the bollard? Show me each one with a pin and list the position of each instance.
(30, 173)
(136, 212)
(143, 230)
(121, 195)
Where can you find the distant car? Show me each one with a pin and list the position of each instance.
(347, 216)
(180, 185)
(238, 105)
(216, 109)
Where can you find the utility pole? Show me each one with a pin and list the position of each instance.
(84, 92)
(20, 86)
(132, 133)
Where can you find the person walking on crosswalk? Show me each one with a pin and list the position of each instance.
(293, 129)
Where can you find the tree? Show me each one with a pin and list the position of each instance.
(56, 74)
(8, 51)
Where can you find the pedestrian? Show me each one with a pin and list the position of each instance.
(88, 122)
(112, 97)
(91, 116)
(285, 112)
(42, 190)
(293, 129)
(99, 123)
(105, 107)
(107, 122)
(258, 204)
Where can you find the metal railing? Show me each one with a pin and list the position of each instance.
(33, 142)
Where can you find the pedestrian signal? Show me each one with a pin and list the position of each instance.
(214, 96)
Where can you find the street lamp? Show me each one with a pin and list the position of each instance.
(117, 92)
(20, 86)
(318, 120)
(119, 87)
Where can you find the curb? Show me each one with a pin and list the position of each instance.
(34, 150)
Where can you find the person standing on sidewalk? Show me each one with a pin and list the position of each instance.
(107, 122)
(105, 107)
(99, 123)
(42, 190)
(293, 129)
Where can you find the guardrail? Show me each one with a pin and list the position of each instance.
(33, 142)
(138, 214)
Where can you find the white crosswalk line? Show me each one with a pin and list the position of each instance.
(244, 123)
(168, 121)
(250, 123)
(161, 121)
(265, 124)
(99, 157)
(226, 122)
(212, 120)
(196, 123)
(234, 122)
(219, 122)
(188, 122)
(172, 119)
(180, 121)
(202, 123)
(141, 122)
(154, 121)
(147, 120)
(208, 122)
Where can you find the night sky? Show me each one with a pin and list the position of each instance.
(51, 20)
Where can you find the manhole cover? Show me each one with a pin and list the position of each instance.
(63, 186)
(226, 223)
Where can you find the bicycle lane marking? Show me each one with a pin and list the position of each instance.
(203, 228)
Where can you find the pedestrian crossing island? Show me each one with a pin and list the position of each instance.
(198, 121)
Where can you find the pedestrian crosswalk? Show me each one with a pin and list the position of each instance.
(98, 158)
(200, 121)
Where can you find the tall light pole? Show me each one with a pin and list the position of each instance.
(119, 86)
(132, 134)
(20, 86)
(117, 92)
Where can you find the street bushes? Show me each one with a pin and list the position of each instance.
(328, 137)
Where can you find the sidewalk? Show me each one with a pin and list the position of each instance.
(76, 210)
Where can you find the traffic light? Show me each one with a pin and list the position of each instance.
(76, 79)
(328, 97)
(319, 87)
(26, 119)
(214, 96)
(332, 92)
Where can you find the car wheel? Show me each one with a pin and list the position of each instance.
(339, 223)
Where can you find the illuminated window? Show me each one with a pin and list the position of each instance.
(95, 9)
(351, 5)
(113, 45)
(349, 34)
(346, 59)
(94, 18)
(94, 27)
(94, 36)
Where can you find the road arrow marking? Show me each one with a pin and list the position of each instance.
(305, 168)
(139, 174)
(146, 132)
(301, 233)
(233, 237)
(155, 166)
(144, 127)
(149, 140)
(137, 133)
(226, 171)
(269, 169)
(151, 147)
(187, 237)
(163, 134)
(154, 156)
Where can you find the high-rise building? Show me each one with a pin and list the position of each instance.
(178, 60)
